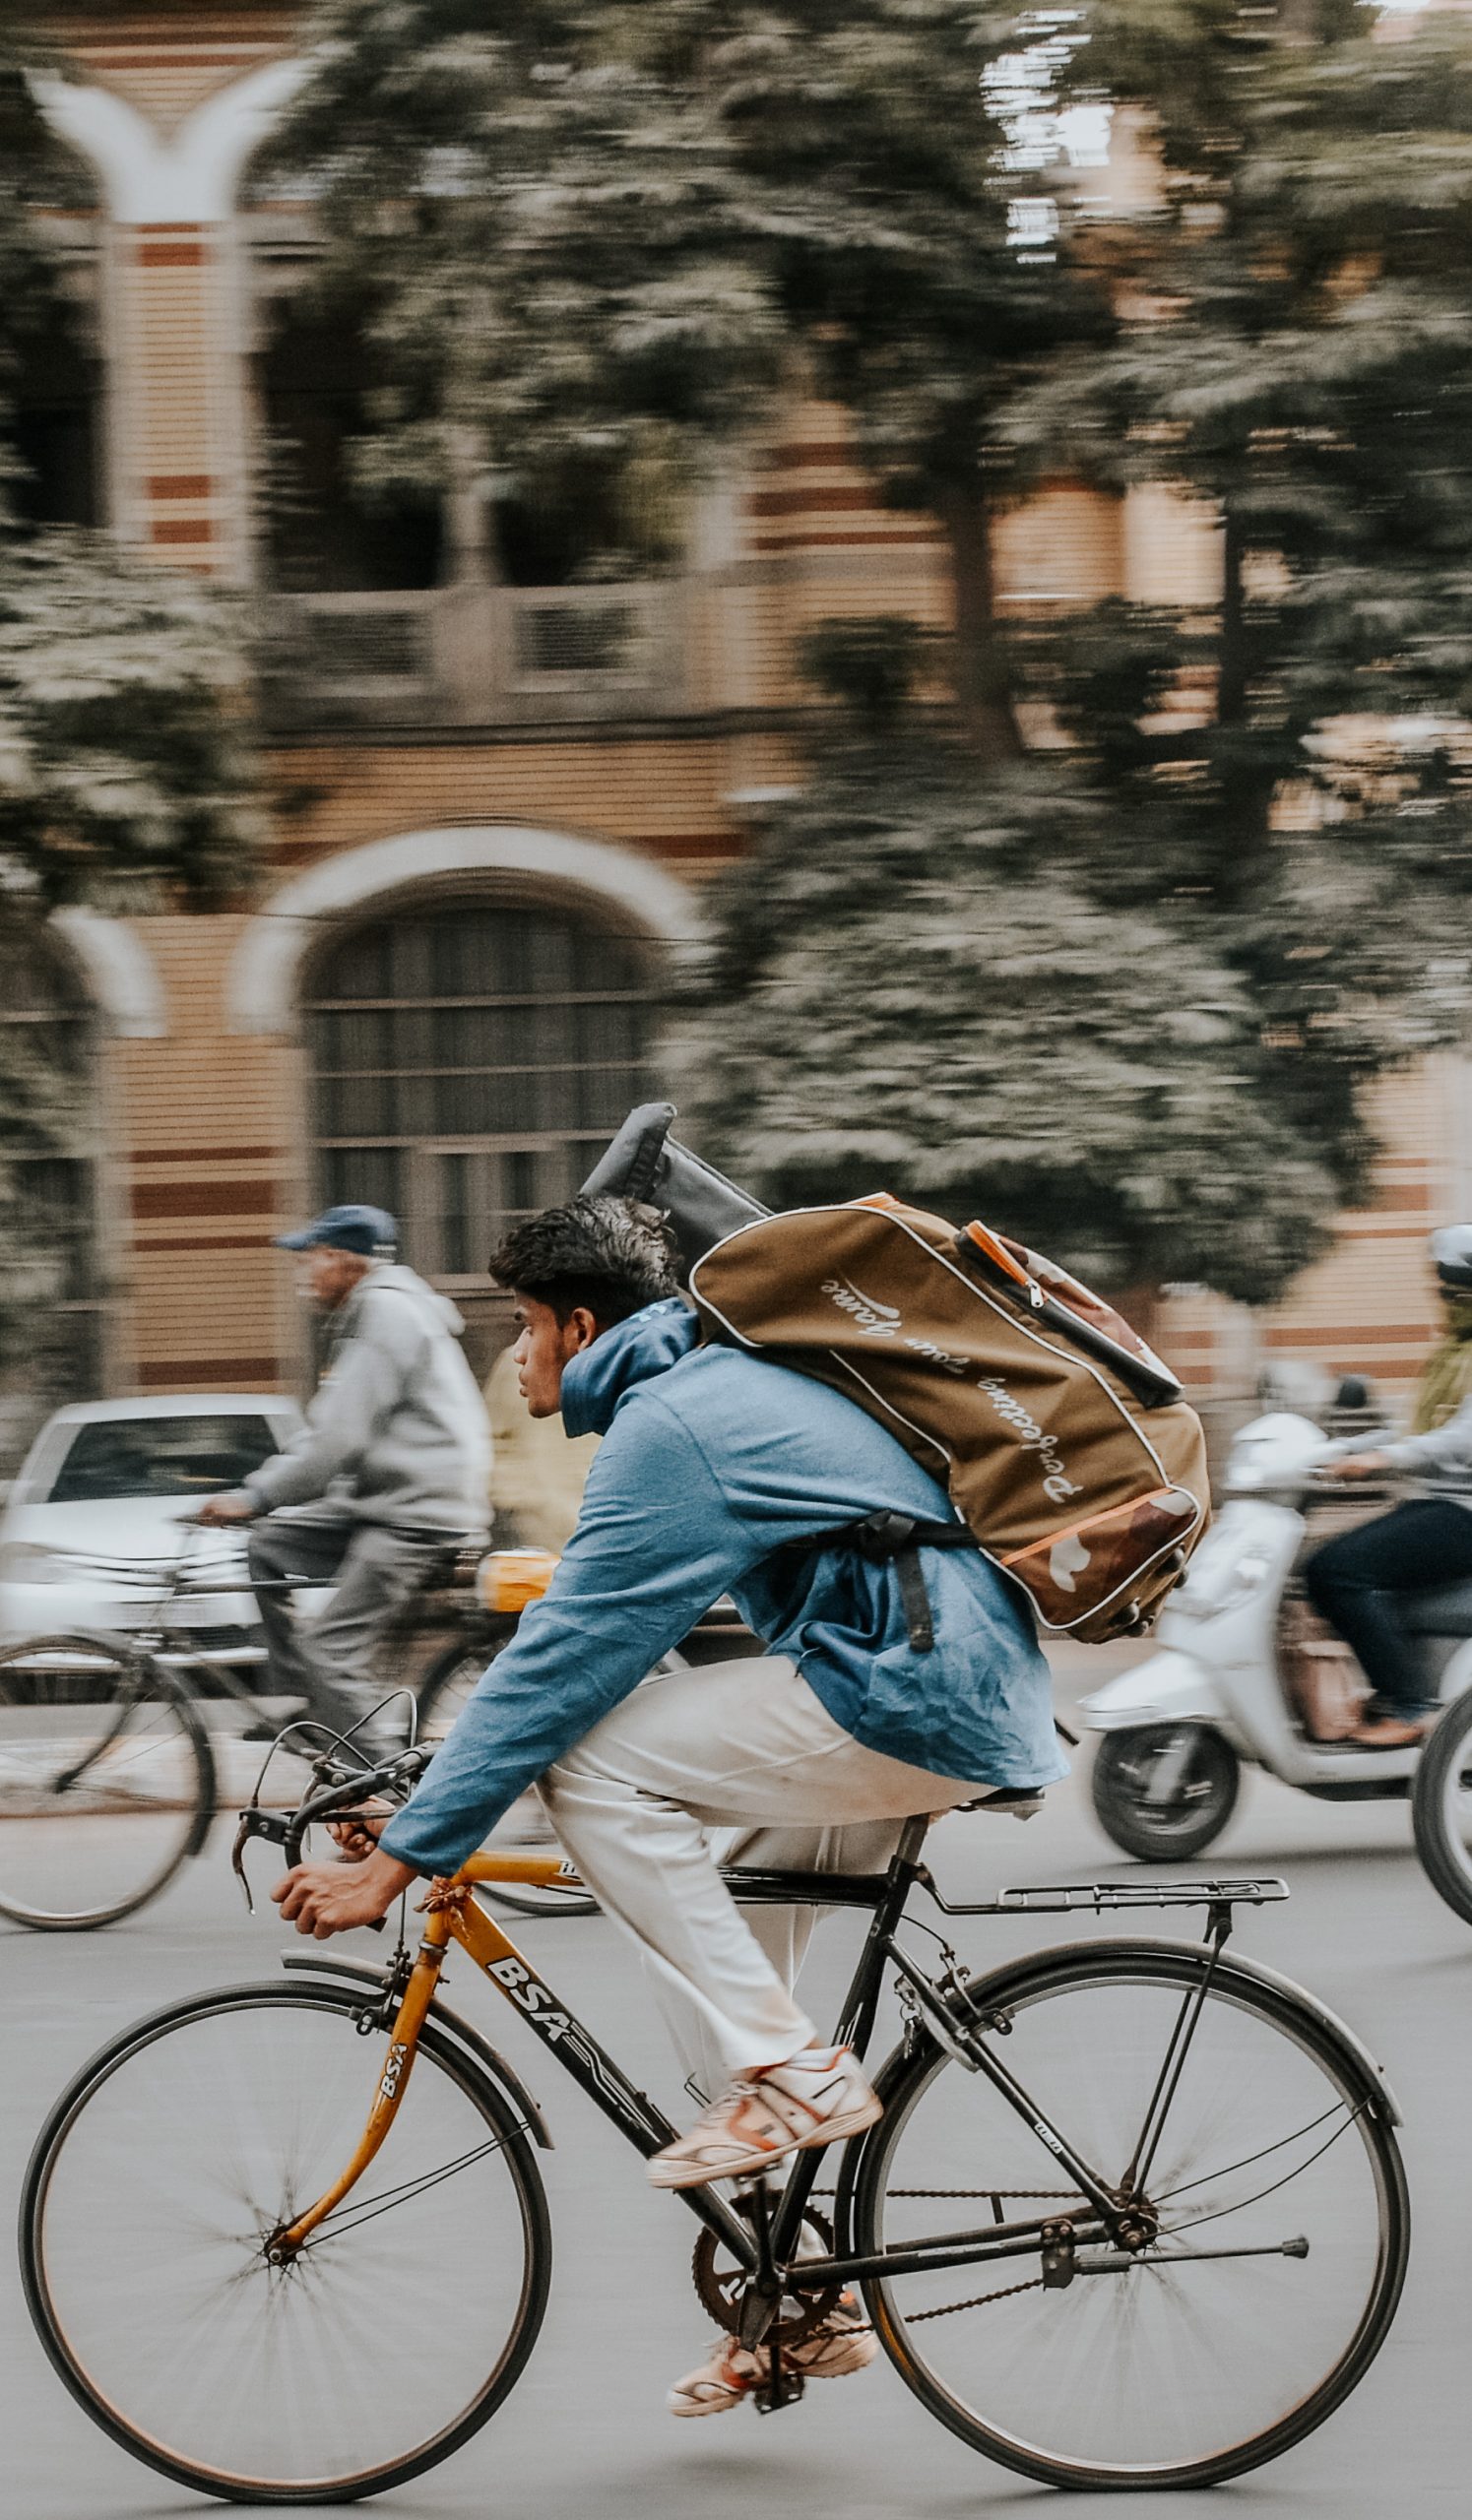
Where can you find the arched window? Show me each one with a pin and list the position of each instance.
(54, 1349)
(469, 1063)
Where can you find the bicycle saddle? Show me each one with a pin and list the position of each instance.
(644, 1162)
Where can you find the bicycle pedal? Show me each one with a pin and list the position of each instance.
(778, 2392)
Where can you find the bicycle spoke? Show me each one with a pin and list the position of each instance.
(102, 1789)
(1162, 2355)
(341, 2363)
(342, 2219)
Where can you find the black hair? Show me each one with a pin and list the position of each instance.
(604, 1255)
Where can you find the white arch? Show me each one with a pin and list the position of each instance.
(121, 974)
(179, 178)
(262, 987)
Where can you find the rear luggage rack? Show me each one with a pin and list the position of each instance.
(1053, 1899)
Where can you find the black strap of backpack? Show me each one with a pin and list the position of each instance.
(898, 1539)
(884, 1536)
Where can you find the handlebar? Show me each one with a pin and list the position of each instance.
(334, 1796)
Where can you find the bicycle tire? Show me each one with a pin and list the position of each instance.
(197, 1798)
(436, 2047)
(450, 1677)
(1444, 1859)
(915, 2070)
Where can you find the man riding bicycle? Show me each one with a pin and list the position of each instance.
(719, 1473)
(394, 1461)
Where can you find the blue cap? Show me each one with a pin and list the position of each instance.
(371, 1231)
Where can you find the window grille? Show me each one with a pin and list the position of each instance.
(585, 636)
(469, 1063)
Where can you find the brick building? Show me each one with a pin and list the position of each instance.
(501, 794)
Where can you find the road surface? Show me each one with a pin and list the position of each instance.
(585, 2431)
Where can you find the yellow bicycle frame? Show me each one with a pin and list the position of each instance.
(454, 1916)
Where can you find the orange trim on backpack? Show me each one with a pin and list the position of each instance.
(877, 1199)
(996, 1251)
(1094, 1522)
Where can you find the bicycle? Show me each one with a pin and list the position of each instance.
(1134, 2215)
(1442, 1806)
(104, 1731)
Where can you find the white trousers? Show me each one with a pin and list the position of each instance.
(740, 1746)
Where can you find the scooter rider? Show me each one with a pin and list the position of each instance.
(1358, 1582)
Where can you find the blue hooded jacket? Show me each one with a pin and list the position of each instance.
(712, 1460)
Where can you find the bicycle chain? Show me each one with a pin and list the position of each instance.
(978, 2301)
(973, 2192)
(1044, 2194)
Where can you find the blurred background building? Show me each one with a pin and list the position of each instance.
(498, 792)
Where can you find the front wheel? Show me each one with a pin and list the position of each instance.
(1441, 1808)
(106, 1780)
(149, 2202)
(1163, 1792)
(1275, 2194)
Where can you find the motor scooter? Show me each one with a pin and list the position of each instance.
(1178, 1728)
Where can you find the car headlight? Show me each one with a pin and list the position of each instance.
(24, 1561)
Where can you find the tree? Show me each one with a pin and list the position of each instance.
(126, 777)
(593, 242)
(1294, 352)
(904, 989)
(607, 235)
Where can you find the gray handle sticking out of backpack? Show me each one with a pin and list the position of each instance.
(644, 1162)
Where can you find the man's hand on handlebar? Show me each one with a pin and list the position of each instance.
(1359, 1465)
(324, 1899)
(230, 1507)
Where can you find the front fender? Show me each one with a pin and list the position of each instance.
(1171, 1687)
(491, 2062)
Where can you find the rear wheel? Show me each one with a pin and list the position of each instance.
(1276, 2199)
(383, 2345)
(1441, 1808)
(106, 1780)
(1163, 1792)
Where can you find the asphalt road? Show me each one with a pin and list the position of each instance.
(585, 2431)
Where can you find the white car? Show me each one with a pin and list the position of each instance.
(104, 1484)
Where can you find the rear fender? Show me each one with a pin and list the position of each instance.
(992, 1992)
(489, 2058)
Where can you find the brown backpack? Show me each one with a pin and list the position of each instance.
(1063, 1440)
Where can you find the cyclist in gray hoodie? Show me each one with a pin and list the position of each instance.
(393, 1462)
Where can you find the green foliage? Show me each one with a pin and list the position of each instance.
(125, 772)
(590, 242)
(1136, 990)
(125, 775)
(869, 666)
(910, 989)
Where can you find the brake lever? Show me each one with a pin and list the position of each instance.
(281, 1828)
(255, 1823)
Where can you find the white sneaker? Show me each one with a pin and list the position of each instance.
(843, 2343)
(817, 2097)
